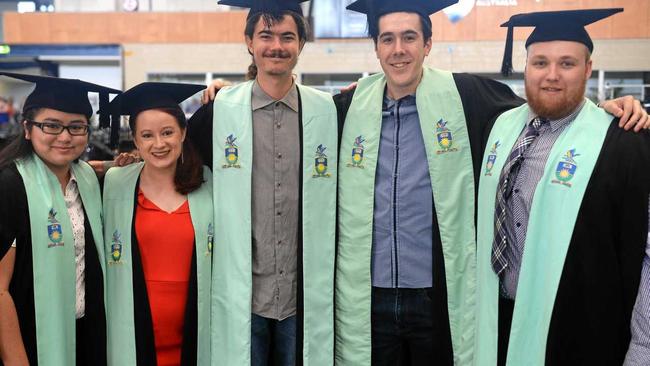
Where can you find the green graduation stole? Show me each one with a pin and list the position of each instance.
(553, 214)
(232, 271)
(53, 254)
(444, 130)
(119, 188)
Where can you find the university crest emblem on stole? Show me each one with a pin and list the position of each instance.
(231, 153)
(116, 248)
(492, 158)
(357, 153)
(54, 231)
(566, 169)
(320, 163)
(445, 137)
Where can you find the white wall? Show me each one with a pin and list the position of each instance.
(85, 5)
(106, 75)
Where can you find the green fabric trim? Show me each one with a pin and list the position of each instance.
(54, 290)
(446, 139)
(119, 188)
(232, 271)
(553, 215)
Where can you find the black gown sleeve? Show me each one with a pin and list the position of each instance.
(15, 224)
(483, 102)
(13, 201)
(633, 153)
(342, 102)
(199, 131)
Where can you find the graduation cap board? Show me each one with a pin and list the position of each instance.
(274, 7)
(152, 95)
(566, 25)
(65, 95)
(374, 9)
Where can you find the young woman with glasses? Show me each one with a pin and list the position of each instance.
(51, 243)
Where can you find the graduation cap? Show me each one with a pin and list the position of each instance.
(65, 95)
(374, 9)
(274, 7)
(152, 95)
(566, 25)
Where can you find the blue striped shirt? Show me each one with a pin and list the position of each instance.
(403, 215)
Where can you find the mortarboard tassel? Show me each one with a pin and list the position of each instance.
(104, 118)
(506, 66)
(115, 123)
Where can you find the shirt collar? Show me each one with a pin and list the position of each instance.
(261, 99)
(556, 124)
(390, 103)
(72, 183)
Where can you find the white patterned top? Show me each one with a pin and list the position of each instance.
(76, 213)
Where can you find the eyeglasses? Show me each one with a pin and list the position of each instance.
(53, 128)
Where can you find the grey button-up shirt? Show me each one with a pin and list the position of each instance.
(518, 206)
(276, 172)
(403, 215)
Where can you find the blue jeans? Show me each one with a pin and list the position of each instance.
(273, 341)
(402, 327)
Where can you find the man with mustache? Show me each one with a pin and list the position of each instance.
(562, 215)
(275, 170)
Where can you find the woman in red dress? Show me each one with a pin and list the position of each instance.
(165, 246)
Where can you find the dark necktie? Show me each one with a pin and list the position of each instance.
(504, 191)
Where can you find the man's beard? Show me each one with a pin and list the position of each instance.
(558, 107)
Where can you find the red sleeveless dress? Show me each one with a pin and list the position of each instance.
(166, 242)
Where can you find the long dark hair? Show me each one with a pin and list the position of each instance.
(189, 168)
(269, 21)
(19, 147)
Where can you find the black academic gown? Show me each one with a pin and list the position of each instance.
(144, 337)
(199, 131)
(483, 101)
(14, 223)
(590, 323)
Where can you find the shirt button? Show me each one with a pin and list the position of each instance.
(278, 213)
(282, 273)
(277, 104)
(518, 224)
(279, 155)
(279, 242)
(278, 125)
(278, 184)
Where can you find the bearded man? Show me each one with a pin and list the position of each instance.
(561, 181)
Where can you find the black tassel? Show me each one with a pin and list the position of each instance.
(506, 66)
(115, 129)
(104, 115)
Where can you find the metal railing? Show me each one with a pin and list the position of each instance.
(611, 89)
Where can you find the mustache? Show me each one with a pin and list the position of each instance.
(277, 54)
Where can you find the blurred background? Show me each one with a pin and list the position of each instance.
(120, 43)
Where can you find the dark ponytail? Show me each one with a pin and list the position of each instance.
(252, 72)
